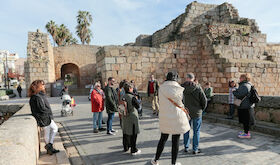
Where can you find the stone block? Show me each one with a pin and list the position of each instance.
(110, 60)
(263, 115)
(121, 60)
(232, 69)
(275, 116)
(144, 59)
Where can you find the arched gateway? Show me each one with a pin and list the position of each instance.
(70, 73)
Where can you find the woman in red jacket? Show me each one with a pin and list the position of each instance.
(97, 106)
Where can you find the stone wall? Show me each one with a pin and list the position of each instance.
(268, 109)
(143, 40)
(19, 139)
(195, 14)
(40, 61)
(83, 56)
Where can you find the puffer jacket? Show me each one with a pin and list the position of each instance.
(242, 92)
(172, 120)
(194, 99)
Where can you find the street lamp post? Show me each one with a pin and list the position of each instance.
(7, 71)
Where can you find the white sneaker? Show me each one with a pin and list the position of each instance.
(114, 131)
(153, 162)
(178, 163)
(136, 153)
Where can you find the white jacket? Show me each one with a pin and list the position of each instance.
(172, 120)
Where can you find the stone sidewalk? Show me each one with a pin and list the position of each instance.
(219, 143)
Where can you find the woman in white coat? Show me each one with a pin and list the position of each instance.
(172, 119)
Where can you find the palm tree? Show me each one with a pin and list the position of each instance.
(52, 27)
(70, 40)
(62, 34)
(84, 19)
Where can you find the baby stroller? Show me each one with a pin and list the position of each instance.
(66, 105)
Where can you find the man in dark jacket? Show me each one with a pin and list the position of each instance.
(195, 101)
(111, 104)
(152, 91)
(246, 108)
(19, 89)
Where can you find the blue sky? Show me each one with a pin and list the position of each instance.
(115, 22)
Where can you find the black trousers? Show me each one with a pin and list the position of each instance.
(247, 118)
(130, 141)
(175, 146)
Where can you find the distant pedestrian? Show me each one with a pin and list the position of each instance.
(153, 88)
(172, 119)
(41, 110)
(19, 89)
(130, 123)
(246, 108)
(232, 87)
(63, 91)
(97, 106)
(208, 90)
(194, 100)
(111, 104)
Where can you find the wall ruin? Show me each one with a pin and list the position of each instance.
(211, 41)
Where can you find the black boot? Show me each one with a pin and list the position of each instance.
(48, 148)
(52, 149)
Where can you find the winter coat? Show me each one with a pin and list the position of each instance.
(194, 99)
(243, 91)
(172, 120)
(208, 92)
(131, 118)
(41, 109)
(97, 101)
(19, 89)
(111, 99)
(156, 87)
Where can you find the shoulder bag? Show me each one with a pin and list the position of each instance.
(183, 109)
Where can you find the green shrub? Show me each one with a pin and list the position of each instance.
(9, 92)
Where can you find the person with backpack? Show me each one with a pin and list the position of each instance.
(246, 113)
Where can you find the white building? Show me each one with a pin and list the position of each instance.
(11, 59)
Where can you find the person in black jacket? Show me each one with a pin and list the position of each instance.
(19, 89)
(41, 110)
(246, 109)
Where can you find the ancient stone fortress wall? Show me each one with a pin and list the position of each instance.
(83, 56)
(40, 61)
(211, 41)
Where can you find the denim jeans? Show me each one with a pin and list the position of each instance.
(97, 117)
(196, 131)
(231, 110)
(110, 121)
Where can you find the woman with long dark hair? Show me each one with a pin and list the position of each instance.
(41, 110)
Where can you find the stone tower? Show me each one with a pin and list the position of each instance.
(40, 61)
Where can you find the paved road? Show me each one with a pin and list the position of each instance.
(219, 143)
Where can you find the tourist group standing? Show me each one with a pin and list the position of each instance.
(178, 106)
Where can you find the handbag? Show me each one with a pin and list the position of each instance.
(183, 109)
(237, 102)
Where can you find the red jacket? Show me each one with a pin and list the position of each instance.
(97, 102)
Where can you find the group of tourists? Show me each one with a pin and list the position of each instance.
(179, 106)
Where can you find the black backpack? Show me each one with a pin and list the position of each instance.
(254, 96)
